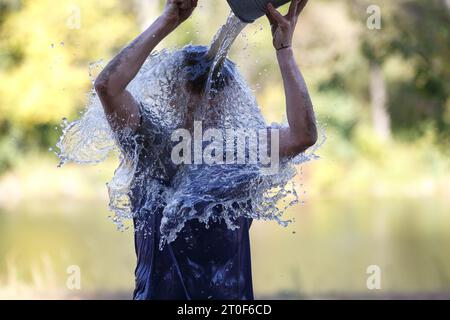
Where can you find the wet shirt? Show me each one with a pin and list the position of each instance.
(203, 262)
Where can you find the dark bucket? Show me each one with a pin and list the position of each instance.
(250, 10)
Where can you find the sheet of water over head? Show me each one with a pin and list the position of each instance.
(169, 100)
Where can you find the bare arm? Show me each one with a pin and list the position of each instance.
(301, 132)
(120, 107)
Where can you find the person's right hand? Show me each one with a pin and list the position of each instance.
(178, 11)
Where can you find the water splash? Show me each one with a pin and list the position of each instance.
(171, 88)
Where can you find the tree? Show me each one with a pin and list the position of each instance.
(46, 47)
(416, 31)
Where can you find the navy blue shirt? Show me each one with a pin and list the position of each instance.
(204, 262)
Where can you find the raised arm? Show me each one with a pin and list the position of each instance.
(301, 132)
(120, 107)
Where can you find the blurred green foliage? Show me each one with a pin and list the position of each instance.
(415, 44)
(44, 65)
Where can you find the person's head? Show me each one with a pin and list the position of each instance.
(198, 65)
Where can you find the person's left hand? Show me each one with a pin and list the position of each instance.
(283, 27)
(178, 11)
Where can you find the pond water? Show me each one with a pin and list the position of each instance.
(324, 253)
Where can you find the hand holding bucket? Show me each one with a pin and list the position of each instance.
(250, 10)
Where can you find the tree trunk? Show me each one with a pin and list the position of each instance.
(378, 92)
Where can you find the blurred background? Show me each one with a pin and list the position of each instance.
(378, 195)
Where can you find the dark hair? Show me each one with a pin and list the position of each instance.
(197, 66)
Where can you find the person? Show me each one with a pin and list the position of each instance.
(203, 262)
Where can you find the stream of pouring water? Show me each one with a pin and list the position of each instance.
(221, 45)
(207, 193)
